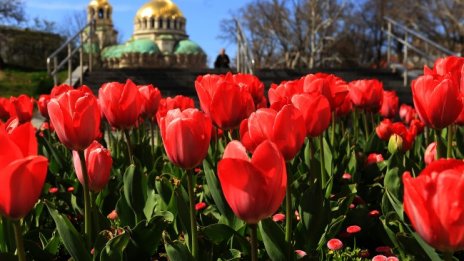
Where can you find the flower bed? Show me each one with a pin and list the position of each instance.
(317, 169)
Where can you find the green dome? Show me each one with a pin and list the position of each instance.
(94, 48)
(141, 46)
(188, 47)
(114, 51)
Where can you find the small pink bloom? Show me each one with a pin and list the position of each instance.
(374, 213)
(297, 215)
(353, 229)
(279, 217)
(53, 190)
(352, 206)
(392, 258)
(374, 158)
(379, 258)
(199, 206)
(347, 176)
(335, 244)
(70, 189)
(300, 253)
(113, 215)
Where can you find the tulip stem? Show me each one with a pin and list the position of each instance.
(193, 221)
(19, 240)
(448, 256)
(355, 125)
(87, 217)
(152, 132)
(322, 161)
(129, 145)
(288, 209)
(332, 133)
(439, 144)
(449, 147)
(366, 125)
(254, 242)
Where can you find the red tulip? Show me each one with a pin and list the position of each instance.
(282, 94)
(433, 202)
(226, 102)
(390, 104)
(316, 112)
(178, 102)
(407, 113)
(254, 86)
(98, 161)
(384, 129)
(374, 158)
(60, 89)
(254, 188)
(329, 85)
(452, 65)
(345, 108)
(200, 206)
(366, 94)
(22, 172)
(75, 117)
(186, 136)
(121, 103)
(42, 103)
(22, 107)
(151, 100)
(437, 100)
(285, 128)
(430, 154)
(4, 108)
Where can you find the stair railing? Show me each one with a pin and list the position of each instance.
(245, 60)
(410, 38)
(73, 45)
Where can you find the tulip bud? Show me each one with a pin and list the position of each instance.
(98, 161)
(395, 143)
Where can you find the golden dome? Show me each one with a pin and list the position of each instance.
(157, 8)
(99, 3)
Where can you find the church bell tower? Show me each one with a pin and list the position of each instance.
(105, 33)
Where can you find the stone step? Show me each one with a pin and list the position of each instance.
(181, 81)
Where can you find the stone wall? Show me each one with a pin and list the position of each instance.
(27, 49)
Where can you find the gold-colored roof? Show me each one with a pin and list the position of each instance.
(99, 3)
(157, 8)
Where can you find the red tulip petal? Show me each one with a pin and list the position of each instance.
(235, 150)
(21, 183)
(24, 137)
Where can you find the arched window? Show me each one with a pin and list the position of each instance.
(168, 24)
(160, 23)
(100, 13)
(152, 23)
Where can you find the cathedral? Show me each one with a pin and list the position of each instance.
(159, 39)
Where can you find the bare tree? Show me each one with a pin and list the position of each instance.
(73, 23)
(12, 11)
(288, 33)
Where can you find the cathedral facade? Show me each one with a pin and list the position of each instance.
(159, 39)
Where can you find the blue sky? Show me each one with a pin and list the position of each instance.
(203, 17)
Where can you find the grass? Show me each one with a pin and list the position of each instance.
(14, 82)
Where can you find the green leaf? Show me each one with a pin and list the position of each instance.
(72, 240)
(114, 249)
(274, 240)
(215, 189)
(230, 255)
(134, 191)
(147, 235)
(315, 214)
(218, 233)
(53, 244)
(176, 250)
(125, 213)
